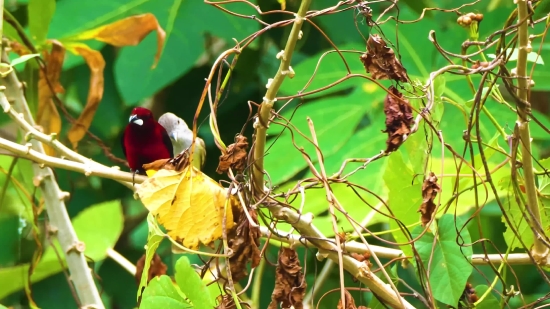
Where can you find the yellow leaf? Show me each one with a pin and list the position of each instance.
(129, 31)
(47, 116)
(96, 63)
(189, 204)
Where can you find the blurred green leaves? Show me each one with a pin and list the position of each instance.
(98, 227)
(40, 15)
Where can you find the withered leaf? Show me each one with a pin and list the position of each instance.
(399, 118)
(129, 31)
(244, 241)
(430, 188)
(47, 116)
(235, 157)
(350, 302)
(226, 302)
(157, 268)
(290, 284)
(380, 61)
(96, 63)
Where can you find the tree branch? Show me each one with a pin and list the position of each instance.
(81, 275)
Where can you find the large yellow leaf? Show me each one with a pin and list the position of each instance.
(189, 204)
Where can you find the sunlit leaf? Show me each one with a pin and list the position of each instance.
(531, 56)
(23, 59)
(98, 227)
(96, 63)
(154, 238)
(192, 286)
(189, 204)
(450, 266)
(129, 31)
(162, 293)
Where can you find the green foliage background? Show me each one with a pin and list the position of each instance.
(349, 119)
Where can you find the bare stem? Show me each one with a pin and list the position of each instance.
(539, 250)
(264, 112)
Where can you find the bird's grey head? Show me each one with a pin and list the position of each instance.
(170, 122)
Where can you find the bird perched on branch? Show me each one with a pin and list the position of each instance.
(182, 138)
(145, 140)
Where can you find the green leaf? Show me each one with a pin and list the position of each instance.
(531, 57)
(154, 239)
(40, 14)
(450, 266)
(335, 120)
(98, 226)
(185, 29)
(161, 293)
(23, 59)
(328, 69)
(404, 198)
(489, 302)
(192, 286)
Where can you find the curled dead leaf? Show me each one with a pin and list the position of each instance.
(350, 302)
(48, 85)
(244, 243)
(96, 63)
(380, 61)
(430, 188)
(157, 268)
(129, 31)
(290, 284)
(235, 157)
(399, 118)
(189, 204)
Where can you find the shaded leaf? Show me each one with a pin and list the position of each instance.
(399, 118)
(48, 86)
(290, 284)
(192, 286)
(380, 61)
(129, 31)
(235, 156)
(189, 204)
(96, 63)
(450, 266)
(430, 188)
(489, 302)
(40, 14)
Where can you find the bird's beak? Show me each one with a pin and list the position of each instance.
(136, 120)
(174, 136)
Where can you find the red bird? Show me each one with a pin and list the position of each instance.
(145, 140)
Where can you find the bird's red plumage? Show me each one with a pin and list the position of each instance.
(145, 143)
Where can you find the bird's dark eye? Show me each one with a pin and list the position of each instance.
(178, 122)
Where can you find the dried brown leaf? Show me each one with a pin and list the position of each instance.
(430, 188)
(290, 284)
(235, 157)
(47, 116)
(244, 242)
(380, 61)
(157, 268)
(129, 31)
(96, 63)
(350, 302)
(399, 118)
